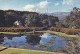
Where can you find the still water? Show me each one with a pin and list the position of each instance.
(46, 41)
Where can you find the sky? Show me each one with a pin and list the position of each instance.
(41, 6)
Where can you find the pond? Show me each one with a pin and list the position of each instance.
(44, 41)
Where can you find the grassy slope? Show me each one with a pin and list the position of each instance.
(9, 33)
(1, 47)
(59, 33)
(24, 51)
(16, 33)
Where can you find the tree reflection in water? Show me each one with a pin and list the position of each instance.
(38, 41)
(33, 40)
(1, 39)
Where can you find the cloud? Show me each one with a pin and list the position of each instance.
(29, 7)
(69, 2)
(43, 4)
(56, 4)
(37, 7)
(35, 10)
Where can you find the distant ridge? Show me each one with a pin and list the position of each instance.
(60, 15)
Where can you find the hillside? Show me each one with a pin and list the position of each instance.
(28, 19)
(60, 15)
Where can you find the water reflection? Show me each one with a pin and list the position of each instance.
(38, 41)
(52, 41)
(45, 35)
(1, 39)
(33, 40)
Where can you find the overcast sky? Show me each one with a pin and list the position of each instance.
(40, 5)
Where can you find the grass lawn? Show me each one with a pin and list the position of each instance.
(1, 47)
(24, 51)
(54, 32)
(59, 33)
(9, 33)
(16, 33)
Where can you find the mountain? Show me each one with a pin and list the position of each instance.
(60, 15)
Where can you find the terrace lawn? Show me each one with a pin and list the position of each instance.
(1, 47)
(24, 51)
(9, 33)
(53, 32)
(15, 33)
(59, 33)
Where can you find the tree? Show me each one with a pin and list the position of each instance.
(73, 19)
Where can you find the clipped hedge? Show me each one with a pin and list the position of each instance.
(65, 30)
(21, 29)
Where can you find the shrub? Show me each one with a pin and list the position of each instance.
(21, 29)
(65, 30)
